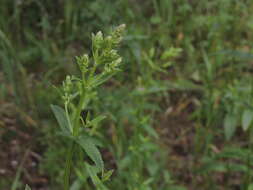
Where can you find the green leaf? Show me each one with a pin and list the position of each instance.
(234, 167)
(27, 187)
(107, 175)
(212, 166)
(77, 185)
(172, 52)
(151, 131)
(61, 119)
(247, 118)
(91, 150)
(250, 187)
(155, 19)
(230, 123)
(96, 121)
(92, 171)
(98, 80)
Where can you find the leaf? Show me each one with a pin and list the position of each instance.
(210, 165)
(96, 121)
(155, 19)
(77, 185)
(250, 187)
(234, 167)
(107, 175)
(98, 80)
(61, 119)
(27, 187)
(230, 123)
(95, 179)
(91, 150)
(151, 131)
(247, 118)
(170, 53)
(94, 140)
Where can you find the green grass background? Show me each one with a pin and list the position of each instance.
(190, 128)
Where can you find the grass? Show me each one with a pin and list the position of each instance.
(177, 116)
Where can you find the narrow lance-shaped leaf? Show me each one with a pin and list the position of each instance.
(230, 123)
(247, 118)
(151, 131)
(61, 119)
(92, 151)
(98, 80)
(96, 121)
(95, 179)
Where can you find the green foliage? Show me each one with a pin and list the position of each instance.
(105, 58)
(230, 123)
(61, 117)
(92, 151)
(247, 117)
(185, 62)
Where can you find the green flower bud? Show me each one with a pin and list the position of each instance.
(83, 62)
(117, 34)
(98, 40)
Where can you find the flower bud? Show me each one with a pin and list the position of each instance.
(83, 62)
(97, 40)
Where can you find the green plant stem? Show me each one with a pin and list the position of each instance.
(70, 153)
(68, 118)
(77, 115)
(68, 166)
(14, 185)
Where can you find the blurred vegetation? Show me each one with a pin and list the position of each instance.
(178, 115)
